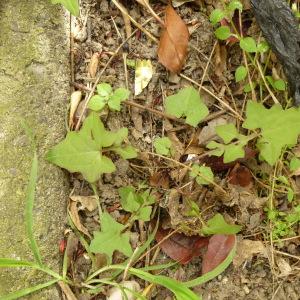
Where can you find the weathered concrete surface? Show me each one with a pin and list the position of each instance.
(34, 83)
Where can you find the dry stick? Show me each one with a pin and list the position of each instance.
(124, 11)
(266, 84)
(101, 73)
(207, 65)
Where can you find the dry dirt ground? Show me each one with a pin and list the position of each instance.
(101, 31)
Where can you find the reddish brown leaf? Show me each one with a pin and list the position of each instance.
(240, 175)
(180, 247)
(217, 164)
(160, 179)
(218, 248)
(173, 42)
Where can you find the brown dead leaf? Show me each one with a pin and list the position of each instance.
(73, 212)
(160, 179)
(180, 247)
(241, 176)
(67, 291)
(218, 248)
(93, 65)
(220, 59)
(246, 249)
(173, 42)
(88, 202)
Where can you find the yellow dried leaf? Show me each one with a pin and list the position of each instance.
(75, 100)
(143, 75)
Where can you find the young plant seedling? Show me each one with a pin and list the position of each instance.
(107, 97)
(230, 150)
(83, 151)
(187, 103)
(138, 204)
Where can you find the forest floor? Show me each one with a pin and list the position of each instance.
(264, 267)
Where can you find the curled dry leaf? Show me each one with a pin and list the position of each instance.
(246, 249)
(75, 100)
(173, 42)
(73, 212)
(180, 247)
(88, 202)
(219, 247)
(115, 293)
(93, 65)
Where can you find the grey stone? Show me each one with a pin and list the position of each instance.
(34, 82)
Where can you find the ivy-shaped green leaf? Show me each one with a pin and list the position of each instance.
(82, 151)
(232, 151)
(217, 225)
(187, 103)
(137, 204)
(279, 128)
(110, 238)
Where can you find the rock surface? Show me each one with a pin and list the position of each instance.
(34, 80)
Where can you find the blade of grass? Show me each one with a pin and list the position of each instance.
(27, 291)
(30, 194)
(215, 272)
(14, 263)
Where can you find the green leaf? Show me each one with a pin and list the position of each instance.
(97, 103)
(290, 195)
(263, 47)
(247, 87)
(126, 152)
(81, 151)
(71, 5)
(235, 4)
(203, 174)
(110, 238)
(294, 164)
(227, 132)
(119, 95)
(223, 32)
(162, 145)
(280, 85)
(133, 203)
(187, 102)
(129, 200)
(216, 16)
(219, 148)
(240, 73)
(233, 152)
(248, 44)
(279, 128)
(217, 225)
(104, 90)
